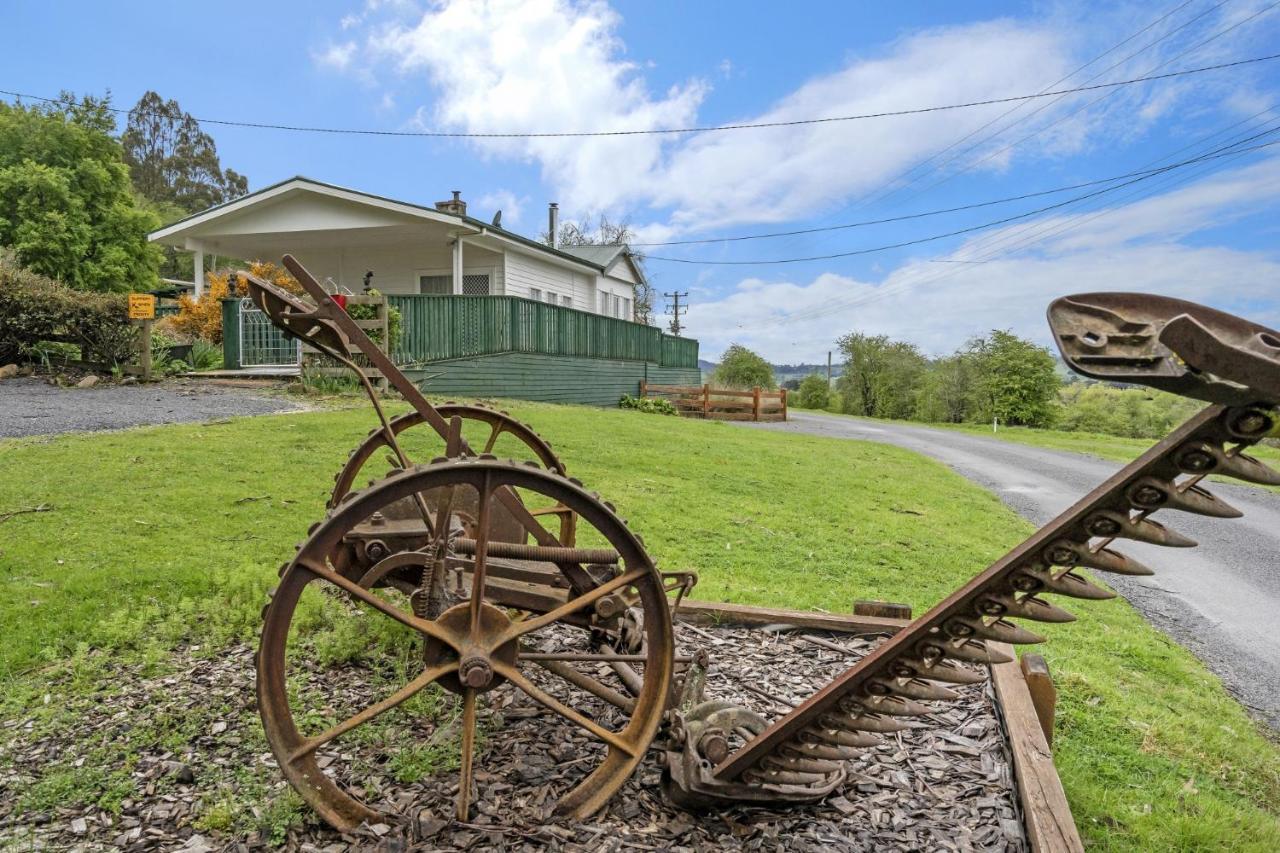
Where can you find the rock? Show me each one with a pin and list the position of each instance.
(88, 382)
(79, 826)
(8, 371)
(185, 775)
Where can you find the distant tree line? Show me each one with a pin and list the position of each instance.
(997, 376)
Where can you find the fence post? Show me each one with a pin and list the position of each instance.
(144, 350)
(644, 389)
(783, 391)
(755, 403)
(383, 313)
(706, 401)
(231, 333)
(1044, 696)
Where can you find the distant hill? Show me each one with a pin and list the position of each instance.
(781, 372)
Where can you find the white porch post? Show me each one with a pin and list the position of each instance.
(196, 248)
(197, 275)
(457, 265)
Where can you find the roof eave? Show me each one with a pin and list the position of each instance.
(301, 182)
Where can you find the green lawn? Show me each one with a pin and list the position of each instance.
(1112, 447)
(164, 537)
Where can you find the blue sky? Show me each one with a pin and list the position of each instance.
(1207, 232)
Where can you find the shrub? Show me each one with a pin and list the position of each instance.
(814, 393)
(395, 321)
(205, 356)
(741, 368)
(649, 405)
(34, 308)
(202, 318)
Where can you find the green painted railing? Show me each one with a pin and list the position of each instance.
(444, 327)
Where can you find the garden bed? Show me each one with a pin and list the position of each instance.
(947, 784)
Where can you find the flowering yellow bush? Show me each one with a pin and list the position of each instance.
(202, 317)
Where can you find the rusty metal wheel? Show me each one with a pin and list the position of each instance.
(474, 648)
(486, 430)
(479, 422)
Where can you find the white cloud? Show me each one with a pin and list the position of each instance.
(939, 305)
(506, 201)
(511, 66)
(337, 56)
(793, 172)
(560, 65)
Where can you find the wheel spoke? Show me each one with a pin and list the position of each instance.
(355, 590)
(467, 752)
(493, 437)
(481, 557)
(525, 626)
(411, 689)
(550, 702)
(585, 682)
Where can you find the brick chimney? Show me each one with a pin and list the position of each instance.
(455, 205)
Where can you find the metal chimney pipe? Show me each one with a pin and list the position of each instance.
(553, 224)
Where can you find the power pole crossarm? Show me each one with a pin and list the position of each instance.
(675, 309)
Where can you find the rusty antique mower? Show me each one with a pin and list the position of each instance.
(511, 576)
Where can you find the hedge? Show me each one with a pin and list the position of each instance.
(34, 308)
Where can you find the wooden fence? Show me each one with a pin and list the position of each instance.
(722, 404)
(438, 328)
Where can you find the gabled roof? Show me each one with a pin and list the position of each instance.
(582, 256)
(608, 256)
(602, 255)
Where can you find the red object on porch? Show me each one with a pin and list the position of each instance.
(341, 299)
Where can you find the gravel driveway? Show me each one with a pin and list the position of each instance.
(1219, 600)
(30, 406)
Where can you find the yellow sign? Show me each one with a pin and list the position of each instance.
(142, 306)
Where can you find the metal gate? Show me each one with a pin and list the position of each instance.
(261, 343)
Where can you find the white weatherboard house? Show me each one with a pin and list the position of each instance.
(341, 234)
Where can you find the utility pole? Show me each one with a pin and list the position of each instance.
(675, 309)
(828, 368)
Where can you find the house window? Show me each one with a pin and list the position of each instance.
(535, 294)
(617, 305)
(626, 308)
(475, 284)
(604, 303)
(435, 285)
(566, 301)
(551, 298)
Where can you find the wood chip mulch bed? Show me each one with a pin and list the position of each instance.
(945, 785)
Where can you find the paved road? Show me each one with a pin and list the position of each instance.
(31, 406)
(1221, 600)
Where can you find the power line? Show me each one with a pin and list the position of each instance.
(1042, 107)
(914, 174)
(970, 229)
(445, 134)
(1019, 241)
(902, 218)
(995, 240)
(971, 166)
(1046, 230)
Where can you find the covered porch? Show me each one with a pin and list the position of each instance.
(341, 236)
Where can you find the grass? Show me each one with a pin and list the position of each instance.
(1113, 447)
(170, 536)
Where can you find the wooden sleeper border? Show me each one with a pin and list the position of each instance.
(1024, 698)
